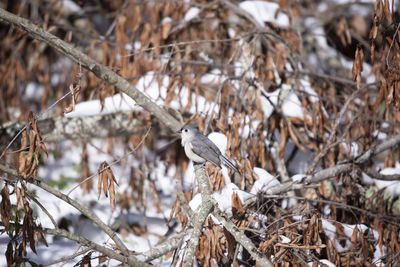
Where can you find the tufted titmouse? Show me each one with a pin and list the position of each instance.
(200, 149)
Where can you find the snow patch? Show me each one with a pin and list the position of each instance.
(264, 182)
(265, 12)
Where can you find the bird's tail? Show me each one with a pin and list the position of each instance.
(228, 164)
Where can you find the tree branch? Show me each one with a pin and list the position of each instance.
(63, 259)
(388, 144)
(342, 168)
(102, 72)
(385, 177)
(58, 129)
(132, 261)
(201, 215)
(167, 246)
(75, 204)
(242, 239)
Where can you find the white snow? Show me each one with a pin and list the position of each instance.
(166, 20)
(34, 91)
(284, 239)
(192, 13)
(246, 130)
(263, 11)
(291, 105)
(352, 148)
(298, 177)
(214, 77)
(149, 85)
(393, 187)
(220, 140)
(326, 262)
(264, 182)
(115, 103)
(224, 196)
(195, 203)
(71, 7)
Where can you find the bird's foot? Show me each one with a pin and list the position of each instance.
(199, 165)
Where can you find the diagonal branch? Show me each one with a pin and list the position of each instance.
(70, 257)
(242, 239)
(75, 204)
(167, 246)
(102, 72)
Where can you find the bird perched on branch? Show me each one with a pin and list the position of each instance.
(201, 149)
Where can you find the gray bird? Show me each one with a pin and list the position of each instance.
(200, 149)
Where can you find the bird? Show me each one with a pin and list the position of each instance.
(201, 149)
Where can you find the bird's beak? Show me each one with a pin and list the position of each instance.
(179, 131)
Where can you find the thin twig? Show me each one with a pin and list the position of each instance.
(33, 198)
(68, 258)
(132, 261)
(167, 246)
(391, 44)
(376, 175)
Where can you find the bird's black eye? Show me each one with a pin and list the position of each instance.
(185, 130)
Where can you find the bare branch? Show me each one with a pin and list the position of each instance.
(167, 246)
(242, 239)
(201, 215)
(385, 177)
(62, 128)
(64, 259)
(388, 144)
(33, 198)
(132, 261)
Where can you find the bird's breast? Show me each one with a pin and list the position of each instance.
(191, 155)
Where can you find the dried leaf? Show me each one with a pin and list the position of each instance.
(354, 235)
(5, 207)
(173, 209)
(18, 197)
(102, 259)
(237, 207)
(22, 157)
(28, 230)
(386, 10)
(112, 192)
(9, 254)
(74, 98)
(85, 262)
(284, 137)
(166, 27)
(38, 135)
(294, 137)
(105, 180)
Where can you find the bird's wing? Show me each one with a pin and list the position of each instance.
(227, 163)
(206, 149)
